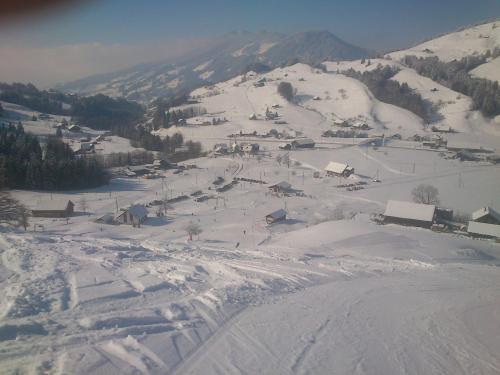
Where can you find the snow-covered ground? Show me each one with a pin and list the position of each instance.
(327, 289)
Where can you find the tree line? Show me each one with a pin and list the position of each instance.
(385, 89)
(485, 93)
(97, 112)
(25, 164)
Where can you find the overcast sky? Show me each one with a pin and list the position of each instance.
(105, 35)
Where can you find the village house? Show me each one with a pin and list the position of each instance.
(338, 169)
(280, 187)
(486, 215)
(51, 208)
(409, 213)
(483, 230)
(276, 216)
(134, 215)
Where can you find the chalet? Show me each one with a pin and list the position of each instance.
(483, 230)
(280, 187)
(338, 169)
(75, 129)
(409, 213)
(54, 209)
(303, 143)
(486, 215)
(276, 216)
(134, 215)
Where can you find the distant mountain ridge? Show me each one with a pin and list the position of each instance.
(225, 57)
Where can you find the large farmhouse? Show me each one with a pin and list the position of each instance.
(338, 169)
(409, 213)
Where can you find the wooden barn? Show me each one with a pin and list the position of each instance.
(54, 209)
(409, 213)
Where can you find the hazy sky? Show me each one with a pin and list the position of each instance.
(102, 35)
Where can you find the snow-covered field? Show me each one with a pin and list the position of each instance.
(326, 291)
(312, 294)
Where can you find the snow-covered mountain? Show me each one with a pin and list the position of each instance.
(220, 60)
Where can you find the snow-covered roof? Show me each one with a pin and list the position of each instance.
(138, 210)
(485, 211)
(336, 167)
(410, 210)
(52, 205)
(484, 229)
(282, 185)
(277, 214)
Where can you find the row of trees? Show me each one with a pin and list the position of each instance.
(485, 94)
(25, 164)
(389, 91)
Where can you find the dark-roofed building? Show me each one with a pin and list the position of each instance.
(409, 213)
(51, 208)
(276, 216)
(280, 187)
(303, 143)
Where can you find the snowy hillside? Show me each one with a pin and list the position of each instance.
(220, 60)
(469, 41)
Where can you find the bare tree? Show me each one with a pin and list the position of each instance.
(83, 204)
(12, 212)
(426, 194)
(193, 229)
(279, 159)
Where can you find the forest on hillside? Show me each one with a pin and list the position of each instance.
(385, 89)
(26, 164)
(455, 75)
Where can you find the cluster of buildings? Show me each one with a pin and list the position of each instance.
(484, 223)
